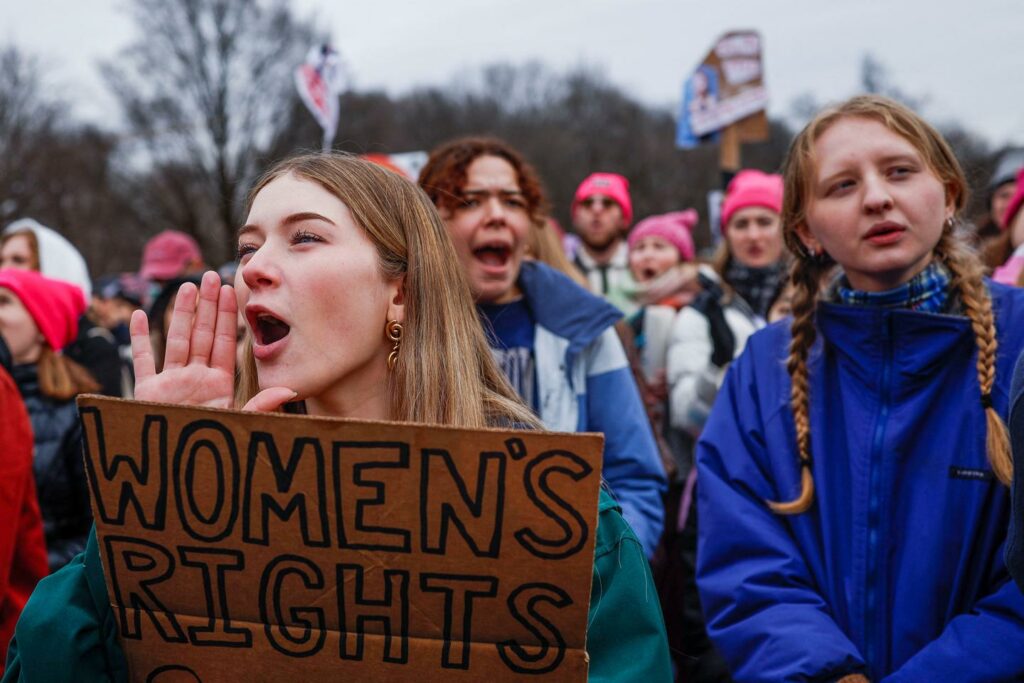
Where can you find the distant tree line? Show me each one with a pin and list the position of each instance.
(207, 101)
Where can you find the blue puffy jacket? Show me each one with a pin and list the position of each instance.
(902, 579)
(584, 384)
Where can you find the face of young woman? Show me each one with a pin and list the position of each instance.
(754, 235)
(874, 205)
(651, 256)
(18, 329)
(490, 229)
(16, 253)
(314, 298)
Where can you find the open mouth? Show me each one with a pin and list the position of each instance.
(496, 255)
(268, 329)
(647, 274)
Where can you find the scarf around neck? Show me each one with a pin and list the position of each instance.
(757, 286)
(927, 292)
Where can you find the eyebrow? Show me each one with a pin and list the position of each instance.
(294, 218)
(487, 192)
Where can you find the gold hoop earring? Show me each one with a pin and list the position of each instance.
(393, 333)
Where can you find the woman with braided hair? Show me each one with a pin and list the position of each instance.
(853, 505)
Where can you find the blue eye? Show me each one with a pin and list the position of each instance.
(304, 237)
(244, 250)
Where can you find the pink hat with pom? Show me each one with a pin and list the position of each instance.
(676, 228)
(752, 188)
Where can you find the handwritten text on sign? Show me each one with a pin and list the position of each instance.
(278, 546)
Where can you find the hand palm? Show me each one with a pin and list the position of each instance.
(199, 362)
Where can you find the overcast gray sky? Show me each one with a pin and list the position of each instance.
(967, 57)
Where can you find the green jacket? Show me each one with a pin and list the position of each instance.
(67, 631)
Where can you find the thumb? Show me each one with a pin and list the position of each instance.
(269, 400)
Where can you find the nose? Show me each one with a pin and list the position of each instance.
(495, 210)
(259, 270)
(877, 197)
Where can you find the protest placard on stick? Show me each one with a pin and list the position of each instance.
(242, 546)
(724, 99)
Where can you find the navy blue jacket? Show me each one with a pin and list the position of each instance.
(897, 569)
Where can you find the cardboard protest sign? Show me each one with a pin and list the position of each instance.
(727, 89)
(243, 546)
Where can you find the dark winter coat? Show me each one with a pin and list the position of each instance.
(59, 469)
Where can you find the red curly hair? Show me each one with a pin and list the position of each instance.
(444, 175)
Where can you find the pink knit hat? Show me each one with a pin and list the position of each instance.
(676, 228)
(1016, 202)
(751, 188)
(168, 254)
(609, 184)
(55, 305)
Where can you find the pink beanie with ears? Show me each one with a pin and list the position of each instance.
(55, 305)
(676, 228)
(751, 188)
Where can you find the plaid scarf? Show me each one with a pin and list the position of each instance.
(757, 286)
(927, 292)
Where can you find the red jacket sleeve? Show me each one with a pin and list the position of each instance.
(22, 548)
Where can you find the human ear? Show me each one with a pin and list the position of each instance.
(807, 238)
(396, 299)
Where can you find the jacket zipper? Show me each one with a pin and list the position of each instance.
(871, 598)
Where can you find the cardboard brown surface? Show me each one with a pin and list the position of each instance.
(242, 546)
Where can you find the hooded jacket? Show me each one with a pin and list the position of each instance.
(903, 578)
(94, 348)
(584, 384)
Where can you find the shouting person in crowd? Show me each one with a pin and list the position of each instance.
(38, 318)
(1011, 241)
(22, 548)
(27, 245)
(356, 308)
(555, 341)
(602, 212)
(748, 272)
(661, 255)
(852, 475)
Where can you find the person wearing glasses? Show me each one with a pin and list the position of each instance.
(602, 212)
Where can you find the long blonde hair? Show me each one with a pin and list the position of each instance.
(808, 271)
(445, 373)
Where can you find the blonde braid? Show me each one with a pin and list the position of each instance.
(806, 277)
(967, 280)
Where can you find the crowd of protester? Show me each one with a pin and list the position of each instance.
(806, 448)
